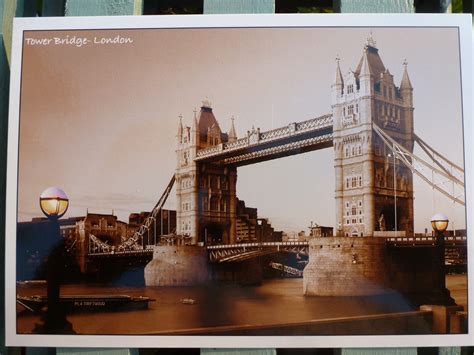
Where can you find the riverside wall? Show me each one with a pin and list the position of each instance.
(348, 266)
(190, 266)
(178, 266)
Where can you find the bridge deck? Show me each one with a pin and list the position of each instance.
(239, 252)
(294, 138)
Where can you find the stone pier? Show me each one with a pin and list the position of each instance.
(178, 266)
(348, 266)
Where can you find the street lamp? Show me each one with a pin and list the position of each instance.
(54, 203)
(394, 187)
(439, 223)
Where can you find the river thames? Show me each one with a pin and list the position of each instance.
(277, 301)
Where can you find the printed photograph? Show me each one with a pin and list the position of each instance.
(241, 181)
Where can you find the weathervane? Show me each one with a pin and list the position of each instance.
(371, 41)
(206, 103)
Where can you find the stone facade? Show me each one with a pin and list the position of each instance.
(345, 266)
(178, 266)
(364, 166)
(205, 193)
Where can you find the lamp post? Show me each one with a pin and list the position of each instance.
(260, 232)
(394, 187)
(439, 223)
(54, 204)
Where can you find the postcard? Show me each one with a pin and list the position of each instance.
(240, 181)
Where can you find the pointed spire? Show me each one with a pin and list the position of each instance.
(194, 129)
(365, 67)
(180, 126)
(232, 133)
(405, 84)
(339, 80)
(195, 124)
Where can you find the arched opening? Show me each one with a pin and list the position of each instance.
(212, 233)
(386, 219)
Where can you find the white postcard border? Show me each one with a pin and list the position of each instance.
(463, 22)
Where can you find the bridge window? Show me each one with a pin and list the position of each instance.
(222, 205)
(347, 185)
(350, 89)
(354, 220)
(384, 91)
(354, 182)
(347, 152)
(350, 109)
(360, 149)
(214, 204)
(354, 210)
(353, 151)
(347, 221)
(390, 93)
(343, 111)
(214, 181)
(357, 108)
(360, 180)
(347, 213)
(205, 205)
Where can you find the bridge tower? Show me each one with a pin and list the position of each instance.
(205, 193)
(374, 192)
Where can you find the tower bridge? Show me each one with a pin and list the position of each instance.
(372, 134)
(371, 131)
(370, 128)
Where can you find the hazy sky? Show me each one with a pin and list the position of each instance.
(100, 121)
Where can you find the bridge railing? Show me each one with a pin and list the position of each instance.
(253, 245)
(268, 136)
(426, 240)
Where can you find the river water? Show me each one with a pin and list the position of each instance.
(276, 301)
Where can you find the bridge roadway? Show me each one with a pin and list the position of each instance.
(240, 252)
(295, 138)
(230, 253)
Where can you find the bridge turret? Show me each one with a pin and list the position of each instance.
(406, 89)
(205, 192)
(194, 130)
(180, 129)
(406, 92)
(186, 182)
(338, 85)
(232, 134)
(365, 183)
(365, 75)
